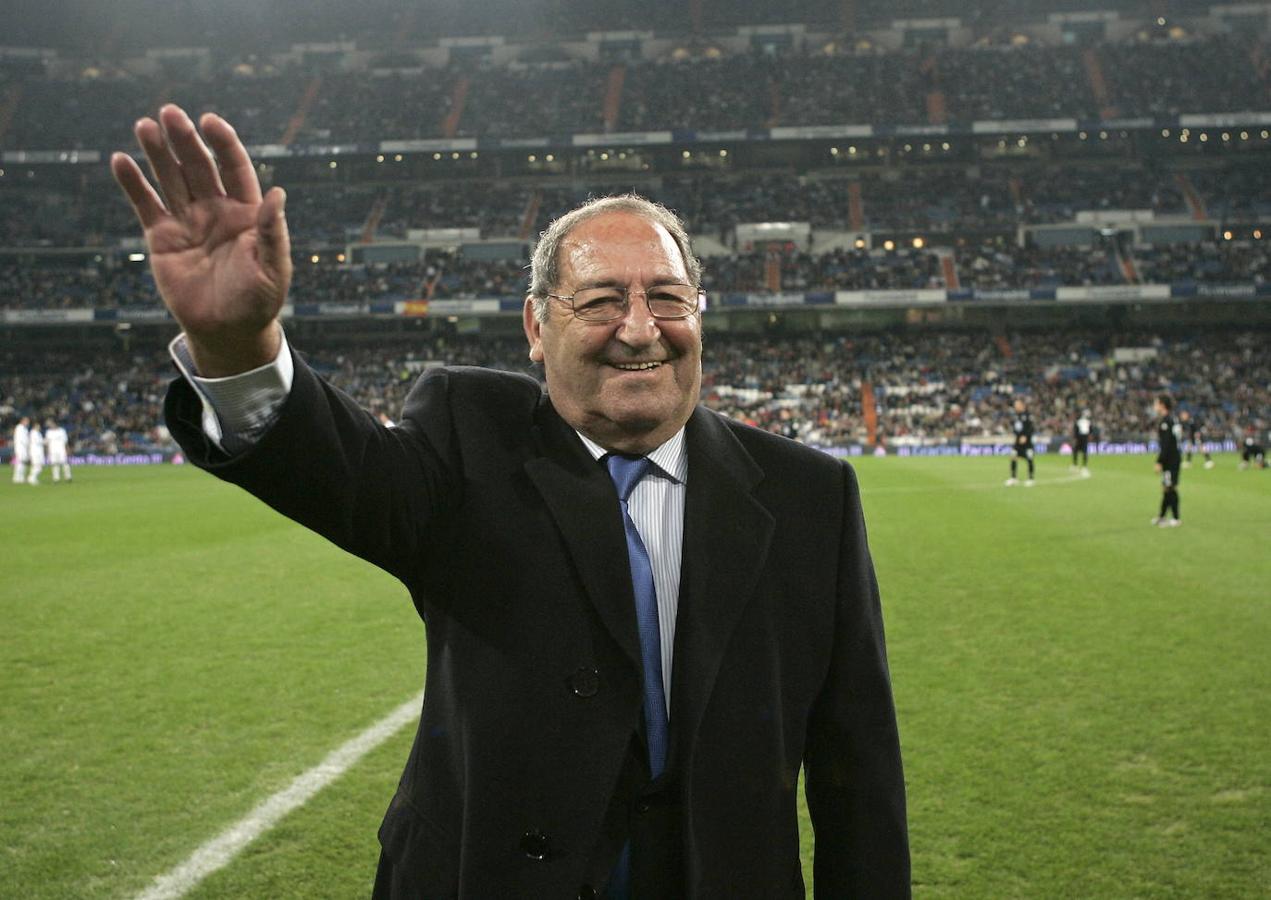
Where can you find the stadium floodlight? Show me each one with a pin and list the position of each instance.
(136, 257)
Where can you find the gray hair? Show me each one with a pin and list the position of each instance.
(545, 262)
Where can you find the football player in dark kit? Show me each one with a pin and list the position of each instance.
(1082, 431)
(1252, 453)
(1022, 426)
(1194, 435)
(1168, 461)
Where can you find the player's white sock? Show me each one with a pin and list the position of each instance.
(19, 473)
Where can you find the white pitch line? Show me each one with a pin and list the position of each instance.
(221, 849)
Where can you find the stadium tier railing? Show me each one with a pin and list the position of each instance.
(880, 299)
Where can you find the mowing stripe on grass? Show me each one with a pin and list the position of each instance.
(945, 487)
(221, 849)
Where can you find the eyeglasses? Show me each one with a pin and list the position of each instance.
(605, 304)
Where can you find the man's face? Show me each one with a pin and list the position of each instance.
(1019, 406)
(629, 384)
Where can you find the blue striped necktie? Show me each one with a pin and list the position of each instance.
(626, 472)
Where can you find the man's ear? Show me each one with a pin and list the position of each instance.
(533, 330)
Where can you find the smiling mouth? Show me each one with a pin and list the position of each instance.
(636, 366)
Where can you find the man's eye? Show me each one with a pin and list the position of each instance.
(603, 301)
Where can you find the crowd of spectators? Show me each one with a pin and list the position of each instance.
(87, 286)
(110, 404)
(923, 199)
(709, 91)
(1213, 75)
(963, 386)
(998, 265)
(994, 264)
(1208, 263)
(926, 386)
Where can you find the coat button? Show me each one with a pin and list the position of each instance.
(586, 892)
(535, 845)
(585, 682)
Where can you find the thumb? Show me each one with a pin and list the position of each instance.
(274, 245)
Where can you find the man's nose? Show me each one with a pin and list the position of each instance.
(638, 327)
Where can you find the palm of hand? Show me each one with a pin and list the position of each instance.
(208, 268)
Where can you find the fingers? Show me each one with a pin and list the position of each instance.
(145, 202)
(274, 244)
(237, 171)
(184, 167)
(163, 165)
(197, 166)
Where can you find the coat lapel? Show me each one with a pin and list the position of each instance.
(726, 537)
(582, 501)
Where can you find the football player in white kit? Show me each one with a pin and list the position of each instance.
(55, 441)
(21, 449)
(35, 442)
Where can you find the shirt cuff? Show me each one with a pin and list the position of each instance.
(238, 409)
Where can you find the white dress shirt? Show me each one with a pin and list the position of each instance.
(656, 505)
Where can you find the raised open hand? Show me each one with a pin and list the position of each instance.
(220, 252)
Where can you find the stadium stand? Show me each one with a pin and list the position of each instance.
(288, 102)
(929, 387)
(895, 163)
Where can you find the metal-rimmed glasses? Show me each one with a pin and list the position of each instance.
(606, 304)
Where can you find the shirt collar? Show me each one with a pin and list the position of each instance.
(671, 459)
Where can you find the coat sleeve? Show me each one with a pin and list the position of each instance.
(854, 781)
(329, 465)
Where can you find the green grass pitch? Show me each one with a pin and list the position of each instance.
(1083, 698)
